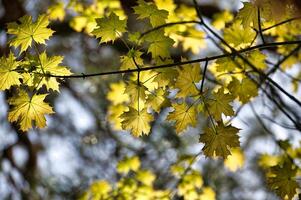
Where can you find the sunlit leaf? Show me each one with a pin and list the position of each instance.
(26, 109)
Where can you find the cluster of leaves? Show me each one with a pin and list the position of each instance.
(153, 81)
(138, 183)
(146, 92)
(29, 74)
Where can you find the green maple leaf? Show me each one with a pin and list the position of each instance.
(219, 139)
(149, 10)
(186, 82)
(109, 28)
(159, 44)
(244, 90)
(138, 122)
(8, 75)
(27, 109)
(248, 14)
(220, 104)
(47, 65)
(282, 180)
(183, 115)
(27, 31)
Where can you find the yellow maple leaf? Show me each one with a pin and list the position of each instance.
(114, 112)
(138, 122)
(45, 65)
(27, 109)
(186, 82)
(221, 19)
(137, 94)
(116, 94)
(28, 31)
(238, 36)
(193, 40)
(219, 104)
(127, 61)
(165, 77)
(183, 115)
(249, 15)
(8, 75)
(146, 78)
(256, 58)
(219, 139)
(156, 99)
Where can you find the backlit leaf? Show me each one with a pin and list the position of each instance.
(8, 75)
(28, 109)
(27, 31)
(219, 140)
(109, 28)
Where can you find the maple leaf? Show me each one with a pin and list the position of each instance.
(28, 109)
(127, 61)
(109, 28)
(166, 77)
(256, 58)
(219, 104)
(138, 122)
(221, 19)
(239, 37)
(244, 90)
(149, 10)
(147, 79)
(193, 40)
(8, 75)
(225, 65)
(183, 115)
(116, 94)
(48, 65)
(282, 180)
(114, 112)
(136, 93)
(27, 31)
(249, 15)
(156, 99)
(219, 139)
(159, 44)
(190, 75)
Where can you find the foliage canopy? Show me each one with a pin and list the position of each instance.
(155, 82)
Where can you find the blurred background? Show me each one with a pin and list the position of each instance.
(79, 144)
